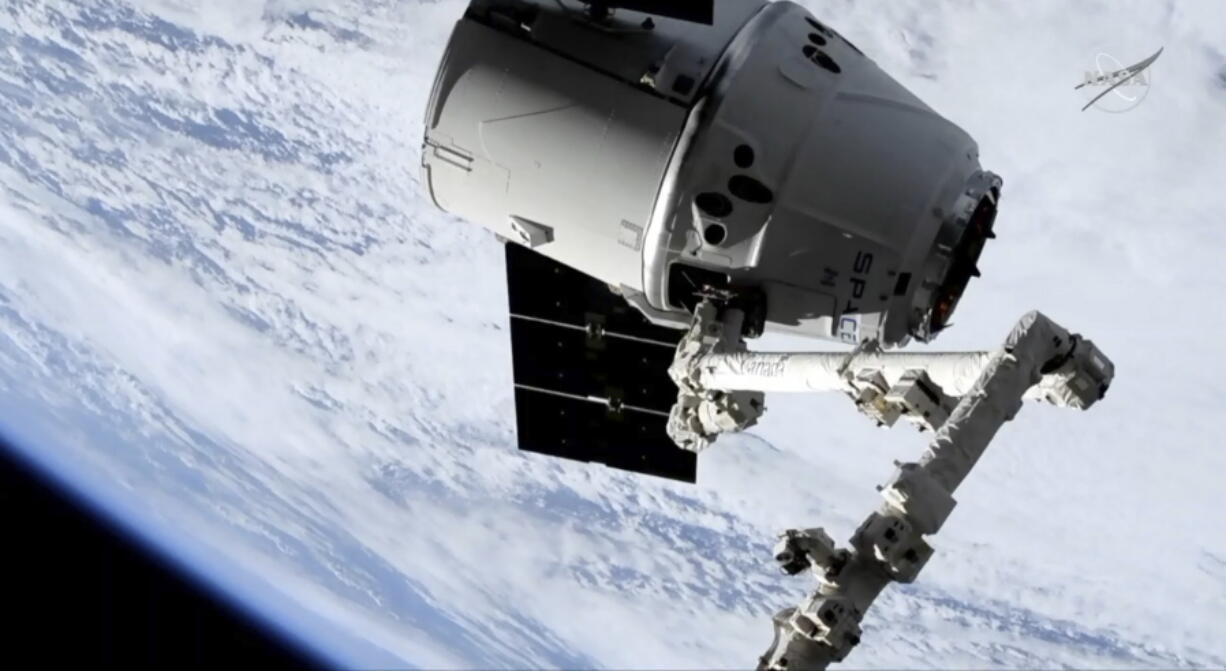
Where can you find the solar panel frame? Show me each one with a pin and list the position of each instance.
(590, 372)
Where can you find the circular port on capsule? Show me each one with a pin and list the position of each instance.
(714, 204)
(743, 156)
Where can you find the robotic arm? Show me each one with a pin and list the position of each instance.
(964, 398)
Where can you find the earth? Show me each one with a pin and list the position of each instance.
(231, 320)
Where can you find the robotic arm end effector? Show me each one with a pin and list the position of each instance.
(1079, 378)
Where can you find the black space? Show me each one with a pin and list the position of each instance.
(78, 591)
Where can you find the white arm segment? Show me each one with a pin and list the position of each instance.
(824, 371)
(721, 383)
(964, 397)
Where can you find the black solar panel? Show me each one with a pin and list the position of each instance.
(542, 288)
(568, 360)
(590, 372)
(630, 440)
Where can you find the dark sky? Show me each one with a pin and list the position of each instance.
(79, 591)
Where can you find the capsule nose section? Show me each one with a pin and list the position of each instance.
(964, 261)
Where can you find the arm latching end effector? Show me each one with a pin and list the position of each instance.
(798, 550)
(1079, 377)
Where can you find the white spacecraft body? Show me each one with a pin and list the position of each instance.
(660, 155)
(672, 183)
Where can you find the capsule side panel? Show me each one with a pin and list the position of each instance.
(523, 133)
(816, 176)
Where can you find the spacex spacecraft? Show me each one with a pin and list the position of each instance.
(674, 178)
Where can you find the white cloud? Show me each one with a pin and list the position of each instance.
(219, 252)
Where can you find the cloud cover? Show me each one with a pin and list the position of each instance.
(215, 257)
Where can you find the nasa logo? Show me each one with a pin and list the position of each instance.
(766, 368)
(1119, 89)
